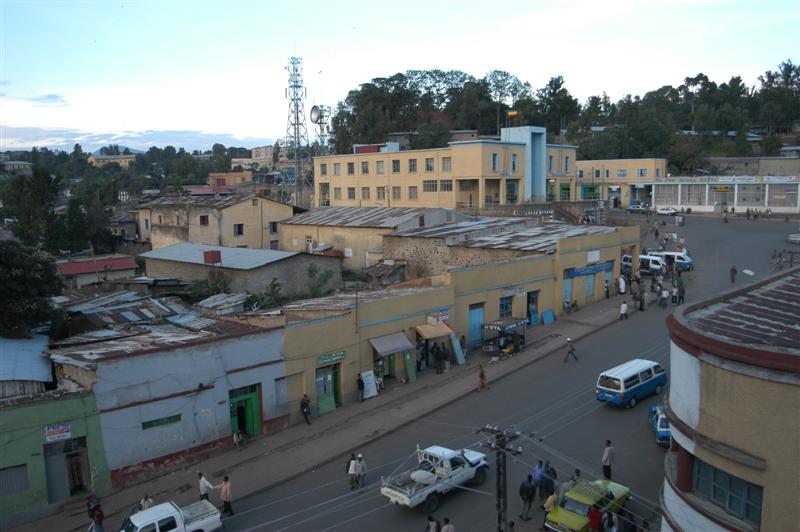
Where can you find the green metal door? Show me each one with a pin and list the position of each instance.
(326, 399)
(411, 365)
(245, 409)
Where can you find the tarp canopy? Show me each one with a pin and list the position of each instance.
(505, 324)
(391, 343)
(435, 330)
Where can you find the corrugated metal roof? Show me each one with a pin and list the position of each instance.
(346, 300)
(218, 301)
(768, 315)
(109, 263)
(24, 359)
(211, 201)
(465, 227)
(539, 239)
(235, 258)
(388, 217)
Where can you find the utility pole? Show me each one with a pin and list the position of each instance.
(501, 445)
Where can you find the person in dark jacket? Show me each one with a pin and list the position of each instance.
(360, 383)
(305, 407)
(526, 492)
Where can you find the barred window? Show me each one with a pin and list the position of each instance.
(323, 169)
(351, 168)
(365, 167)
(412, 166)
(446, 185)
(429, 186)
(379, 167)
(380, 193)
(665, 194)
(412, 193)
(750, 195)
(429, 164)
(337, 193)
(738, 497)
(693, 194)
(395, 166)
(622, 172)
(337, 168)
(351, 193)
(396, 194)
(447, 164)
(781, 195)
(364, 193)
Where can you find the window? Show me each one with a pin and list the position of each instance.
(566, 164)
(736, 496)
(203, 219)
(146, 223)
(512, 191)
(658, 370)
(159, 219)
(597, 174)
(161, 421)
(580, 174)
(323, 169)
(380, 193)
(281, 391)
(274, 244)
(608, 173)
(395, 166)
(658, 172)
(495, 162)
(446, 185)
(238, 229)
(396, 193)
(630, 382)
(412, 166)
(412, 193)
(351, 193)
(641, 172)
(167, 524)
(273, 227)
(429, 164)
(337, 168)
(505, 306)
(447, 164)
(646, 375)
(255, 202)
(550, 163)
(466, 186)
(379, 167)
(429, 186)
(364, 193)
(14, 479)
(513, 162)
(365, 167)
(351, 168)
(337, 193)
(622, 172)
(309, 241)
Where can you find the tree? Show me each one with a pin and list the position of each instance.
(772, 146)
(317, 280)
(28, 279)
(31, 200)
(431, 135)
(500, 83)
(556, 105)
(111, 149)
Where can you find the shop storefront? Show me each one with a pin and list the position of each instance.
(504, 336)
(393, 357)
(594, 276)
(433, 336)
(328, 379)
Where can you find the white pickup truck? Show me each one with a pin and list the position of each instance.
(201, 516)
(439, 470)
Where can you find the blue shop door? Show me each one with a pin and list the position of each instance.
(567, 296)
(610, 279)
(475, 324)
(589, 287)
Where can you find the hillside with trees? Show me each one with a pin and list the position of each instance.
(684, 123)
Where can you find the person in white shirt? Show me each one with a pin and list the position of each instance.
(608, 459)
(204, 485)
(623, 311)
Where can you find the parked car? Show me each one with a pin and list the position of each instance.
(660, 424)
(629, 382)
(439, 470)
(572, 512)
(638, 208)
(201, 516)
(668, 211)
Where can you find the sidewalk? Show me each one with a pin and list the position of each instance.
(271, 460)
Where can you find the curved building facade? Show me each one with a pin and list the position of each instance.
(734, 406)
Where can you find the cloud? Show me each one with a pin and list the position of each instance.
(48, 100)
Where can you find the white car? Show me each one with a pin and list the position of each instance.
(669, 211)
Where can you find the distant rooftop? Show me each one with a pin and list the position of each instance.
(235, 258)
(461, 229)
(114, 157)
(100, 263)
(384, 217)
(348, 300)
(208, 200)
(24, 359)
(766, 316)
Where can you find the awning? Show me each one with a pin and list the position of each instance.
(614, 187)
(437, 330)
(391, 343)
(505, 324)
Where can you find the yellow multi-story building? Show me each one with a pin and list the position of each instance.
(101, 160)
(621, 181)
(561, 171)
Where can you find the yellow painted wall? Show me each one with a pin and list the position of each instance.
(256, 214)
(357, 239)
(468, 161)
(615, 168)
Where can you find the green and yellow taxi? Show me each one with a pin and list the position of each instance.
(572, 512)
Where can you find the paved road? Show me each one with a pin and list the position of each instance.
(553, 400)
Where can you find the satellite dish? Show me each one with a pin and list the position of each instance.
(315, 114)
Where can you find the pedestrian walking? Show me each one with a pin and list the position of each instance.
(146, 502)
(548, 506)
(548, 483)
(204, 486)
(538, 475)
(432, 525)
(224, 488)
(448, 526)
(305, 407)
(608, 459)
(681, 294)
(656, 234)
(663, 299)
(570, 351)
(623, 311)
(622, 284)
(360, 383)
(350, 469)
(674, 295)
(96, 522)
(482, 379)
(361, 470)
(606, 289)
(239, 440)
(526, 492)
(734, 271)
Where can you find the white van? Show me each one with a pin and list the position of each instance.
(650, 264)
(627, 383)
(683, 262)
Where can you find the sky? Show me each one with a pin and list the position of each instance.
(218, 68)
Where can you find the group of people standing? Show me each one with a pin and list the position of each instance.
(543, 482)
(205, 487)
